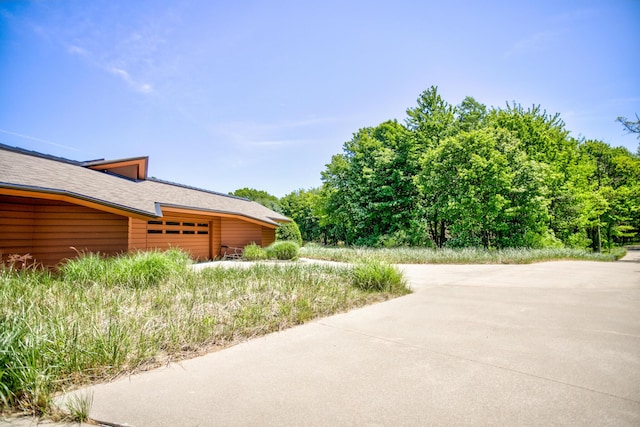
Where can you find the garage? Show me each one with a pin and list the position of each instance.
(191, 235)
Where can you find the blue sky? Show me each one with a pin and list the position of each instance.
(261, 94)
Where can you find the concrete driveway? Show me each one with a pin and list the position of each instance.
(508, 345)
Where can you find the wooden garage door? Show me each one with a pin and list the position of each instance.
(188, 234)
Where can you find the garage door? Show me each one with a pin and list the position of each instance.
(190, 235)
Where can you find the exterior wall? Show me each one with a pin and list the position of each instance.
(216, 237)
(238, 233)
(268, 236)
(49, 230)
(191, 234)
(137, 234)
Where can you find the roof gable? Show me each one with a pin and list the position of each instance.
(134, 168)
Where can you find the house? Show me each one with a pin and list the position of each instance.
(51, 207)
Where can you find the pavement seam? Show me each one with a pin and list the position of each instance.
(455, 356)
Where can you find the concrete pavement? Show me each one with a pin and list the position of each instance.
(553, 343)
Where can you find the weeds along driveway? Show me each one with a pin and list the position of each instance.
(553, 343)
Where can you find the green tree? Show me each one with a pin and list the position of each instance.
(545, 139)
(303, 206)
(369, 189)
(470, 114)
(431, 121)
(485, 186)
(612, 211)
(260, 196)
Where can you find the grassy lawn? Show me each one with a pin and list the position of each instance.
(99, 318)
(455, 256)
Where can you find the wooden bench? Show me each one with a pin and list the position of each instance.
(230, 252)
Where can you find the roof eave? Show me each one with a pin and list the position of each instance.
(125, 210)
(268, 221)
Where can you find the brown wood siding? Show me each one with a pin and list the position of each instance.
(190, 234)
(137, 234)
(216, 237)
(238, 233)
(49, 230)
(268, 236)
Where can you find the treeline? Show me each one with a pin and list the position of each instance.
(468, 175)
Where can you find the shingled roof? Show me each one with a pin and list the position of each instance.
(32, 171)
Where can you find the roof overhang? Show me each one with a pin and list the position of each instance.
(70, 197)
(182, 210)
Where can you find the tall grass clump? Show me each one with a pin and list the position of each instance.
(137, 270)
(283, 250)
(254, 252)
(376, 275)
(455, 255)
(98, 318)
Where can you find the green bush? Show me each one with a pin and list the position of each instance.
(290, 232)
(136, 270)
(283, 250)
(254, 252)
(375, 275)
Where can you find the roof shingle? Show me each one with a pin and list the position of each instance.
(32, 171)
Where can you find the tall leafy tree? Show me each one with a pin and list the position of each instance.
(303, 206)
(613, 213)
(470, 114)
(370, 186)
(468, 175)
(487, 189)
(430, 122)
(260, 196)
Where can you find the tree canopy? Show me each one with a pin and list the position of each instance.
(469, 175)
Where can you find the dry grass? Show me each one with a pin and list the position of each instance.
(100, 318)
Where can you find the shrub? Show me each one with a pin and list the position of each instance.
(289, 231)
(136, 270)
(283, 250)
(254, 252)
(375, 275)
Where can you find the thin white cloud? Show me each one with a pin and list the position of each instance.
(33, 138)
(77, 50)
(137, 86)
(534, 43)
(267, 135)
(135, 56)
